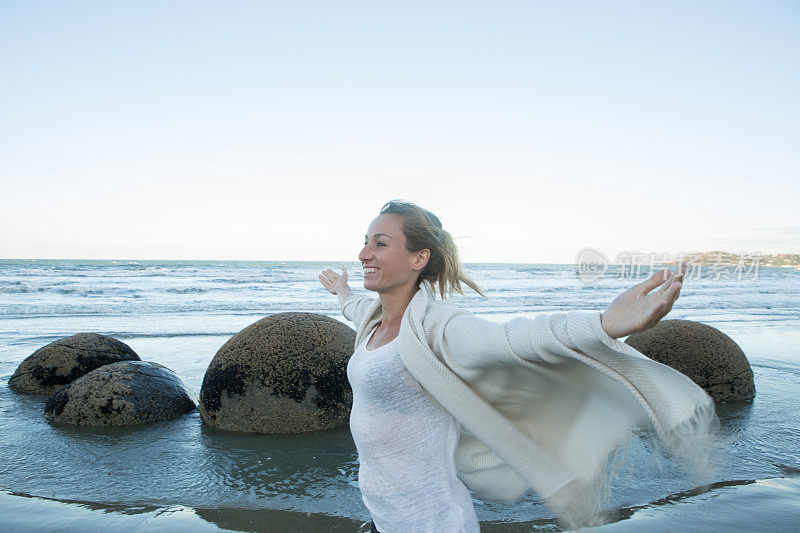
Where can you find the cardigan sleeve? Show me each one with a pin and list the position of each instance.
(571, 417)
(355, 306)
(473, 341)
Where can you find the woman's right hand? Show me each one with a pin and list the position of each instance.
(335, 283)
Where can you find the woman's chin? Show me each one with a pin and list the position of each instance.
(370, 285)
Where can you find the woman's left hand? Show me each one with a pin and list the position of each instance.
(636, 310)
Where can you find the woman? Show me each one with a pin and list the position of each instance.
(445, 401)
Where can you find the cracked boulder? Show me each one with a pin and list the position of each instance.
(122, 394)
(704, 354)
(51, 367)
(286, 373)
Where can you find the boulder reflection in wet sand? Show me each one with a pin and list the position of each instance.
(286, 373)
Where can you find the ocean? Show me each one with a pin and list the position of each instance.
(183, 475)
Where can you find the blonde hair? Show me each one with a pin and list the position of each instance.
(423, 229)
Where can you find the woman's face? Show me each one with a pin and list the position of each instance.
(387, 264)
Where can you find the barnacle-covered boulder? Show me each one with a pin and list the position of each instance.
(122, 394)
(52, 366)
(286, 373)
(703, 353)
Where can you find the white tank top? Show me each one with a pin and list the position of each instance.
(405, 443)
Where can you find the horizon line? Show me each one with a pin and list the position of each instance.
(346, 261)
(262, 260)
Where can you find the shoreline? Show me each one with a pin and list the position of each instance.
(720, 505)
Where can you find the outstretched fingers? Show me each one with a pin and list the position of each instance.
(671, 278)
(662, 291)
(654, 281)
(670, 297)
(680, 272)
(328, 277)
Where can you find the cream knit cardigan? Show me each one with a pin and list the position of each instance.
(542, 401)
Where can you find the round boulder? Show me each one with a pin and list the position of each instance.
(51, 367)
(122, 394)
(286, 373)
(704, 354)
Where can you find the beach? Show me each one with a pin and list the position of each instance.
(736, 507)
(183, 475)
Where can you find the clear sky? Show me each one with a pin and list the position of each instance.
(276, 130)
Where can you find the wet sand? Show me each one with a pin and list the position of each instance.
(731, 506)
(21, 512)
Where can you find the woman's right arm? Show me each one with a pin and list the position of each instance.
(353, 305)
(336, 284)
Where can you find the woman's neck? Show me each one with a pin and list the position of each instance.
(394, 306)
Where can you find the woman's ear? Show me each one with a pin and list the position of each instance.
(421, 259)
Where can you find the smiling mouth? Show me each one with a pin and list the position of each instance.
(368, 272)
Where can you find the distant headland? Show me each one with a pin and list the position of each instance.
(718, 257)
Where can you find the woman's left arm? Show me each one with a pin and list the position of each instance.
(472, 341)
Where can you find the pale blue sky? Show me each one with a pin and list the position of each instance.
(276, 130)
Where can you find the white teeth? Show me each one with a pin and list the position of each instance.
(370, 270)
